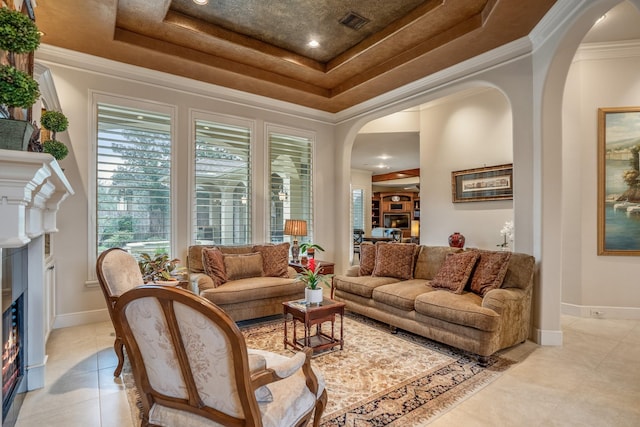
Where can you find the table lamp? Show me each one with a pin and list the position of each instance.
(295, 228)
(415, 230)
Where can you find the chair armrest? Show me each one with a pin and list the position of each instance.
(272, 373)
(200, 282)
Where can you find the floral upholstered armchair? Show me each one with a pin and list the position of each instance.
(117, 272)
(192, 366)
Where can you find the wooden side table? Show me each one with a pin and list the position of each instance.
(326, 267)
(310, 315)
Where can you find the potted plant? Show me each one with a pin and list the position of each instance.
(54, 121)
(158, 267)
(310, 249)
(18, 89)
(312, 278)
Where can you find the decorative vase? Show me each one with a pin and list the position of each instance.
(313, 296)
(311, 253)
(304, 260)
(15, 134)
(456, 240)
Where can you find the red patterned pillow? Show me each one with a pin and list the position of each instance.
(213, 264)
(367, 258)
(490, 271)
(275, 259)
(395, 260)
(455, 271)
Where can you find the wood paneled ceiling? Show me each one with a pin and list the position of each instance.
(261, 46)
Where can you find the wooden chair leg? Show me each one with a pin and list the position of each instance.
(320, 405)
(118, 347)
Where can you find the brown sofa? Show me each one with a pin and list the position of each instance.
(479, 324)
(249, 297)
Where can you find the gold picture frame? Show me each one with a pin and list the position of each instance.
(619, 181)
(482, 184)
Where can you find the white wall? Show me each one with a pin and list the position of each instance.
(80, 302)
(464, 133)
(600, 77)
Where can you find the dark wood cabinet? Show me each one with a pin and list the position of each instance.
(395, 210)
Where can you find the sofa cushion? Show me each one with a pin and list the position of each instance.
(362, 286)
(430, 259)
(401, 294)
(455, 271)
(275, 259)
(252, 289)
(194, 258)
(490, 271)
(241, 266)
(213, 263)
(465, 309)
(367, 258)
(395, 260)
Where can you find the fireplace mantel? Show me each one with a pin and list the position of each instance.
(32, 186)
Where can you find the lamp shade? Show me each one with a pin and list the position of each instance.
(295, 227)
(415, 228)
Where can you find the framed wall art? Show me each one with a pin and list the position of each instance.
(619, 181)
(481, 184)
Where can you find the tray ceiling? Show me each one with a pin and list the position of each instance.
(261, 46)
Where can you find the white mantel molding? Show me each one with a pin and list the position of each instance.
(32, 186)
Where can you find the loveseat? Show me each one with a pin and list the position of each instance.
(248, 281)
(478, 301)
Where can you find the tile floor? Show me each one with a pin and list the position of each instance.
(592, 380)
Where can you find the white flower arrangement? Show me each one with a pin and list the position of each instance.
(507, 233)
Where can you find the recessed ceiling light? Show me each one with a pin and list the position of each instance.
(201, 2)
(313, 44)
(384, 157)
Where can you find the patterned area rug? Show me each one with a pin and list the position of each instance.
(379, 379)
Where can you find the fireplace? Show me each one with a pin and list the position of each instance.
(14, 278)
(32, 187)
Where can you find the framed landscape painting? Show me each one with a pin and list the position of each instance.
(480, 184)
(619, 181)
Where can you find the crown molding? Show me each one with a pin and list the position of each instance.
(48, 54)
(609, 50)
(408, 94)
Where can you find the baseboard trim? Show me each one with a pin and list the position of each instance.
(81, 318)
(601, 312)
(550, 338)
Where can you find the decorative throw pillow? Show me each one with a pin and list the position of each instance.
(490, 272)
(395, 260)
(242, 266)
(213, 265)
(367, 258)
(275, 259)
(455, 271)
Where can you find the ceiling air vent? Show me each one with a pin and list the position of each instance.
(354, 21)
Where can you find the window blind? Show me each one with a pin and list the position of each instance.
(133, 169)
(290, 182)
(222, 212)
(357, 209)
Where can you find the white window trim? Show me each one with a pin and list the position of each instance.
(96, 98)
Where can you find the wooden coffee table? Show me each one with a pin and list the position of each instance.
(310, 315)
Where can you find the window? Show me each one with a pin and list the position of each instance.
(133, 179)
(357, 209)
(290, 159)
(222, 165)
